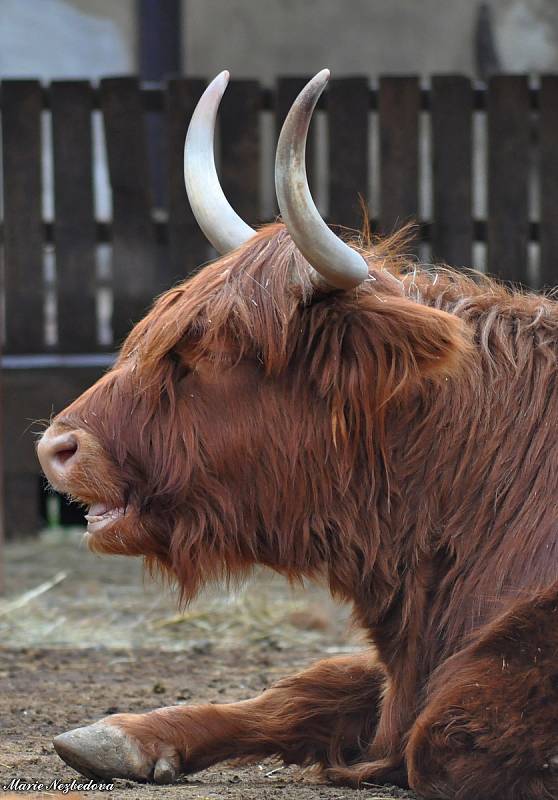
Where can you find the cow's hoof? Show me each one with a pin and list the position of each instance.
(106, 751)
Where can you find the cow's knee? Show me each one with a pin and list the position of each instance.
(489, 728)
(483, 736)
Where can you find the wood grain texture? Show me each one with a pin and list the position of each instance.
(398, 108)
(451, 126)
(23, 230)
(548, 180)
(347, 118)
(136, 278)
(187, 246)
(508, 122)
(74, 231)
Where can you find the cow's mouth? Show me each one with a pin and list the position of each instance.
(101, 516)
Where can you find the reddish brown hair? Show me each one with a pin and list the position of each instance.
(396, 444)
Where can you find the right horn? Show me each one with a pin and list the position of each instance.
(339, 265)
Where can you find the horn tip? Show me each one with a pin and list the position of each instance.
(220, 81)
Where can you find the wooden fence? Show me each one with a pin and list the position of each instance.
(151, 251)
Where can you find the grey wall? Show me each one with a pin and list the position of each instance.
(271, 37)
(263, 38)
(62, 38)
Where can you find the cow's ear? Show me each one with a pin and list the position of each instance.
(429, 341)
(389, 346)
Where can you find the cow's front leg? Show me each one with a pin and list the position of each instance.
(323, 715)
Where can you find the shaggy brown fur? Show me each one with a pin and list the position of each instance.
(397, 446)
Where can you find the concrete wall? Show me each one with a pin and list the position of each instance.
(264, 38)
(57, 38)
(271, 37)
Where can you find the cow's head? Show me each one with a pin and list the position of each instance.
(247, 417)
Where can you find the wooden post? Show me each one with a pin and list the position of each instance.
(548, 185)
(398, 107)
(188, 247)
(23, 287)
(2, 505)
(507, 227)
(136, 279)
(159, 34)
(71, 107)
(240, 148)
(487, 60)
(347, 117)
(451, 116)
(159, 38)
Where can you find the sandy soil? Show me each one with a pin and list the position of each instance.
(83, 637)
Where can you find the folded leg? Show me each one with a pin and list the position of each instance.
(490, 726)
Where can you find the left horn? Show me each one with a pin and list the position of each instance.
(216, 217)
(338, 264)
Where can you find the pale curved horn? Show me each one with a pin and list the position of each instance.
(337, 263)
(216, 217)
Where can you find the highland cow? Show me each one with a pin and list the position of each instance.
(331, 410)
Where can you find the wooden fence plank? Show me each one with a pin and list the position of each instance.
(451, 125)
(32, 394)
(508, 173)
(548, 180)
(398, 106)
(23, 232)
(2, 472)
(137, 275)
(74, 231)
(347, 117)
(136, 278)
(188, 247)
(21, 494)
(287, 91)
(239, 128)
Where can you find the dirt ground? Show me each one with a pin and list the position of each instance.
(84, 636)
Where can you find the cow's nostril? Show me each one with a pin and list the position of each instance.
(66, 454)
(57, 453)
(63, 449)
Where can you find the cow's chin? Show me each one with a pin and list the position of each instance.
(113, 530)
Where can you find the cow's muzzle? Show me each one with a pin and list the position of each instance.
(58, 453)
